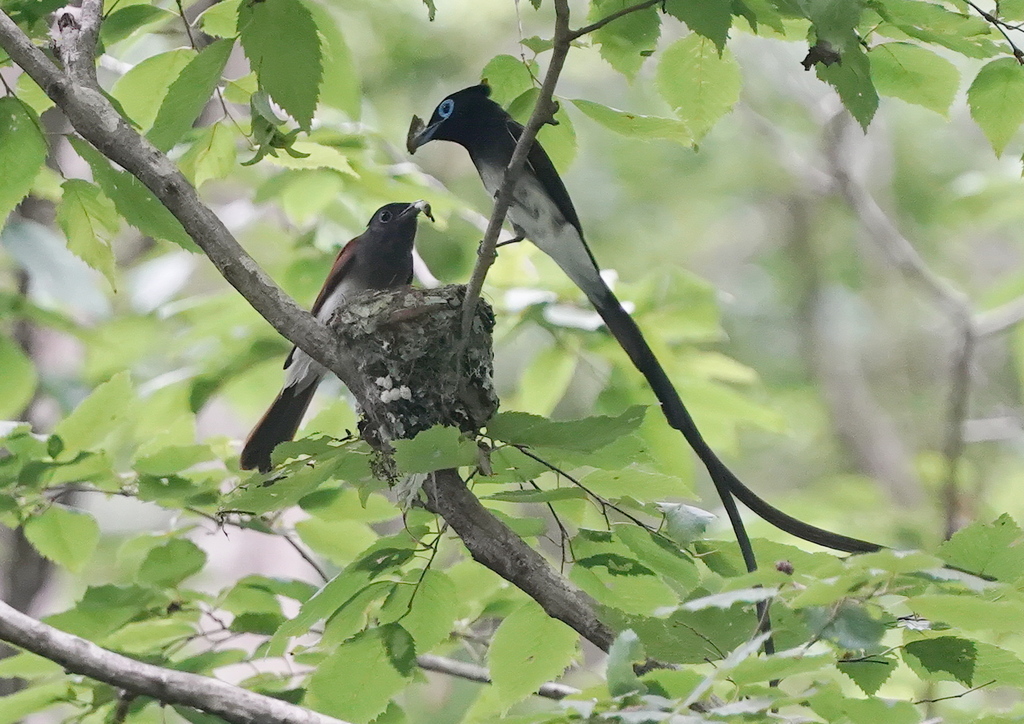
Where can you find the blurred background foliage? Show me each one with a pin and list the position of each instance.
(819, 368)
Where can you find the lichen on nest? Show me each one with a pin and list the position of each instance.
(407, 344)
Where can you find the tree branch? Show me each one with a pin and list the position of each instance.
(576, 34)
(231, 703)
(543, 111)
(494, 545)
(92, 116)
(472, 672)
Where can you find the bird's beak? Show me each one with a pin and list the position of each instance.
(419, 206)
(419, 133)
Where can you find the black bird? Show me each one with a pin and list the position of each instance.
(542, 212)
(379, 258)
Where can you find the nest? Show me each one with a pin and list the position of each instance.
(417, 370)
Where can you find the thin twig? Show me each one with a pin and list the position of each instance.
(1001, 27)
(576, 34)
(472, 672)
(956, 696)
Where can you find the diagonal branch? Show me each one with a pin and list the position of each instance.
(576, 34)
(543, 112)
(92, 116)
(232, 703)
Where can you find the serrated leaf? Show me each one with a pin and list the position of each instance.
(852, 627)
(508, 78)
(425, 607)
(282, 44)
(528, 649)
(15, 707)
(699, 84)
(188, 94)
(728, 599)
(18, 381)
(664, 558)
(23, 152)
(625, 651)
(220, 19)
(625, 42)
(211, 156)
(586, 434)
(558, 140)
(639, 484)
(98, 414)
(132, 200)
(780, 665)
(967, 612)
(537, 496)
(170, 564)
(990, 549)
(869, 674)
(914, 74)
(852, 80)
(932, 23)
(123, 22)
(89, 221)
(949, 654)
(142, 89)
(340, 87)
(370, 679)
(635, 125)
(67, 537)
(996, 98)
(710, 18)
(400, 647)
(434, 449)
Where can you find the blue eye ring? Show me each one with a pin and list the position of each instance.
(445, 109)
(384, 216)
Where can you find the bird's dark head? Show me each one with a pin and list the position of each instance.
(396, 222)
(457, 118)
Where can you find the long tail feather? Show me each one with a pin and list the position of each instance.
(727, 484)
(278, 424)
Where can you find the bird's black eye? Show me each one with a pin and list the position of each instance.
(384, 216)
(445, 109)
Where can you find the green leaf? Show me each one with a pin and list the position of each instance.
(400, 647)
(629, 39)
(949, 654)
(528, 649)
(132, 200)
(170, 564)
(639, 484)
(586, 435)
(634, 125)
(124, 21)
(660, 555)
(508, 78)
(220, 19)
(932, 23)
(537, 496)
(990, 549)
(370, 679)
(15, 707)
(66, 537)
(852, 80)
(967, 612)
(188, 94)
(780, 665)
(340, 87)
(425, 607)
(710, 18)
(141, 90)
(105, 609)
(996, 98)
(852, 627)
(90, 222)
(869, 674)
(97, 415)
(625, 651)
(19, 380)
(281, 41)
(22, 152)
(914, 74)
(435, 449)
(835, 21)
(699, 84)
